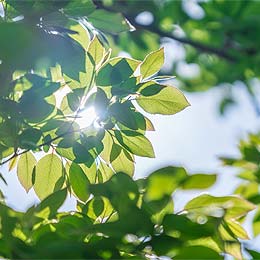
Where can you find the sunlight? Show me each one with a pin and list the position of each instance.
(87, 117)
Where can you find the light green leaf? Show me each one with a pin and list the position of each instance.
(167, 100)
(135, 143)
(199, 181)
(12, 163)
(104, 172)
(48, 176)
(123, 162)
(237, 229)
(96, 51)
(233, 248)
(90, 172)
(79, 182)
(232, 206)
(25, 168)
(164, 182)
(152, 63)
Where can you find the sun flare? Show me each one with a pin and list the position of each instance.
(87, 117)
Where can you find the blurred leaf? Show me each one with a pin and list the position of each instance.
(197, 252)
(49, 206)
(164, 182)
(233, 207)
(109, 22)
(199, 181)
(79, 8)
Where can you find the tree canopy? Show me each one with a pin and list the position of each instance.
(72, 121)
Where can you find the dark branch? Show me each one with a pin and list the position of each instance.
(199, 46)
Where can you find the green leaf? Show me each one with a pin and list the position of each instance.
(96, 51)
(152, 63)
(82, 155)
(34, 108)
(237, 230)
(104, 172)
(256, 223)
(109, 22)
(233, 207)
(25, 168)
(49, 206)
(197, 252)
(29, 138)
(168, 101)
(254, 254)
(199, 181)
(135, 143)
(123, 161)
(98, 206)
(79, 8)
(116, 71)
(79, 182)
(48, 176)
(164, 182)
(73, 101)
(182, 227)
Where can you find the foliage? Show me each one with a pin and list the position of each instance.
(249, 172)
(55, 67)
(214, 35)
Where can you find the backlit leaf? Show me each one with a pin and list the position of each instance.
(199, 181)
(164, 182)
(232, 206)
(168, 101)
(25, 168)
(135, 142)
(152, 63)
(79, 182)
(48, 176)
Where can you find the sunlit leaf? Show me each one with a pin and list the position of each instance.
(152, 63)
(164, 182)
(48, 176)
(135, 142)
(96, 51)
(232, 206)
(79, 182)
(199, 181)
(167, 101)
(25, 169)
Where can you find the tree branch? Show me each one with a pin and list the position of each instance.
(199, 46)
